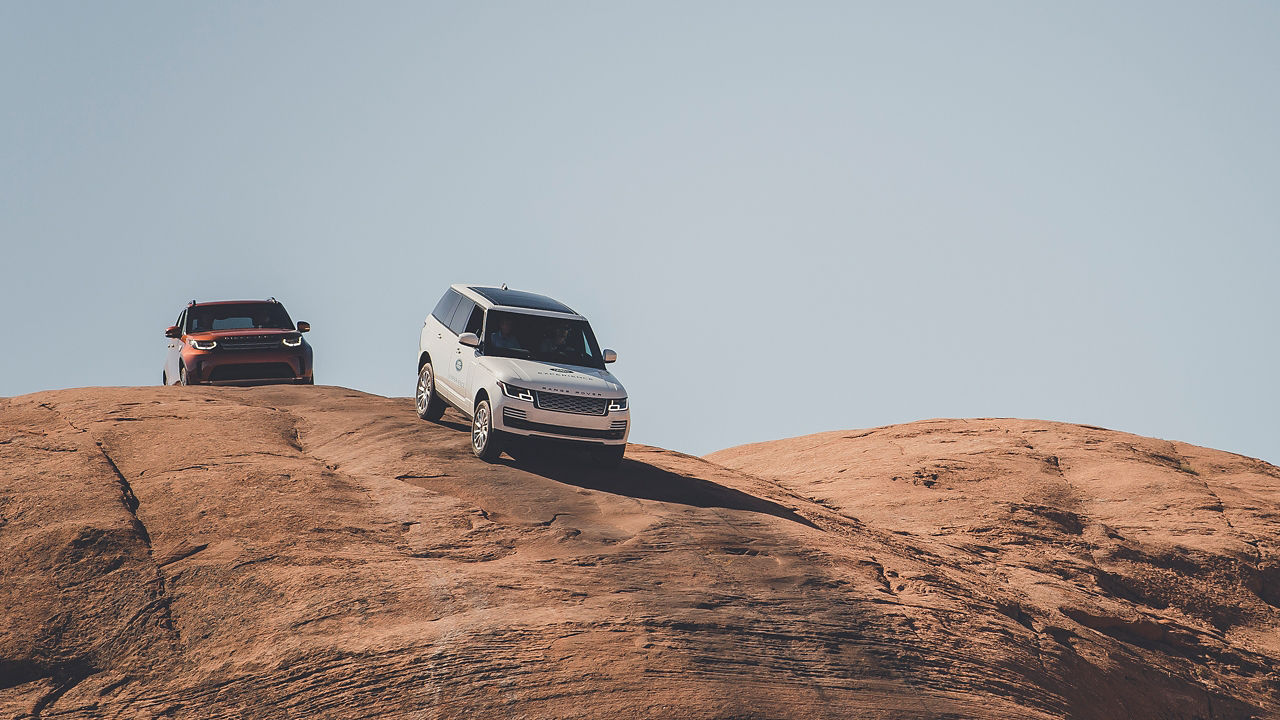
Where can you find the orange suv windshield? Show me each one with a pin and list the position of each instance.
(239, 316)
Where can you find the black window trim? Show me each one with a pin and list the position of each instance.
(456, 309)
(452, 307)
(477, 307)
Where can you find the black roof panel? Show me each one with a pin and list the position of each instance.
(521, 299)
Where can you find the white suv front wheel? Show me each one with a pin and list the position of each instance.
(486, 442)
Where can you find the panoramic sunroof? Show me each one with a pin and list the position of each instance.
(521, 299)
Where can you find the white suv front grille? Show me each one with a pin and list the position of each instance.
(558, 402)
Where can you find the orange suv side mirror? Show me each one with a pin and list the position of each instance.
(173, 332)
(303, 326)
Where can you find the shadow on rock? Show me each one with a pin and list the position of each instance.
(455, 425)
(646, 482)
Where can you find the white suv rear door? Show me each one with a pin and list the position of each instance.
(436, 339)
(467, 317)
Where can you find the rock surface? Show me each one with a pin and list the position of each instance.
(319, 552)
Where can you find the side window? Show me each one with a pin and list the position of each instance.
(182, 317)
(444, 308)
(461, 316)
(475, 323)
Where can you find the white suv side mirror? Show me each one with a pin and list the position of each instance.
(469, 339)
(610, 356)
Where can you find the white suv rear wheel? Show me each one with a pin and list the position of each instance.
(430, 406)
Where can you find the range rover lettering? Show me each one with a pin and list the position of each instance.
(520, 364)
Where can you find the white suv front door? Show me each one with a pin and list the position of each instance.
(173, 356)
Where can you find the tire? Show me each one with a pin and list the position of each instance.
(164, 379)
(608, 456)
(486, 442)
(429, 404)
(182, 375)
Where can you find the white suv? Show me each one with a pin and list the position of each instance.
(517, 363)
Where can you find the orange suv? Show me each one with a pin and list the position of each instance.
(241, 342)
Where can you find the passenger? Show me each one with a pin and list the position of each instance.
(504, 336)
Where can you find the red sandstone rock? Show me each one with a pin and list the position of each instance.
(319, 552)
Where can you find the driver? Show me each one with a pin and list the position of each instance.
(557, 341)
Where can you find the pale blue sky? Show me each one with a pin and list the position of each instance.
(785, 217)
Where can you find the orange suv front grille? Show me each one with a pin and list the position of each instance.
(251, 342)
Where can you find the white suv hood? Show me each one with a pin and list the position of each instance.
(569, 379)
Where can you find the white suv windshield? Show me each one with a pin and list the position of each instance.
(541, 338)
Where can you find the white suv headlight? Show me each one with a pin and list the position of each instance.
(617, 404)
(513, 391)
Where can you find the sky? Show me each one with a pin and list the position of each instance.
(786, 218)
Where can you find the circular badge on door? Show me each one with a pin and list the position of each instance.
(458, 364)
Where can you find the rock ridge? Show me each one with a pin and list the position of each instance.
(288, 551)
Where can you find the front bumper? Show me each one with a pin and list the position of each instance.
(248, 367)
(521, 417)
